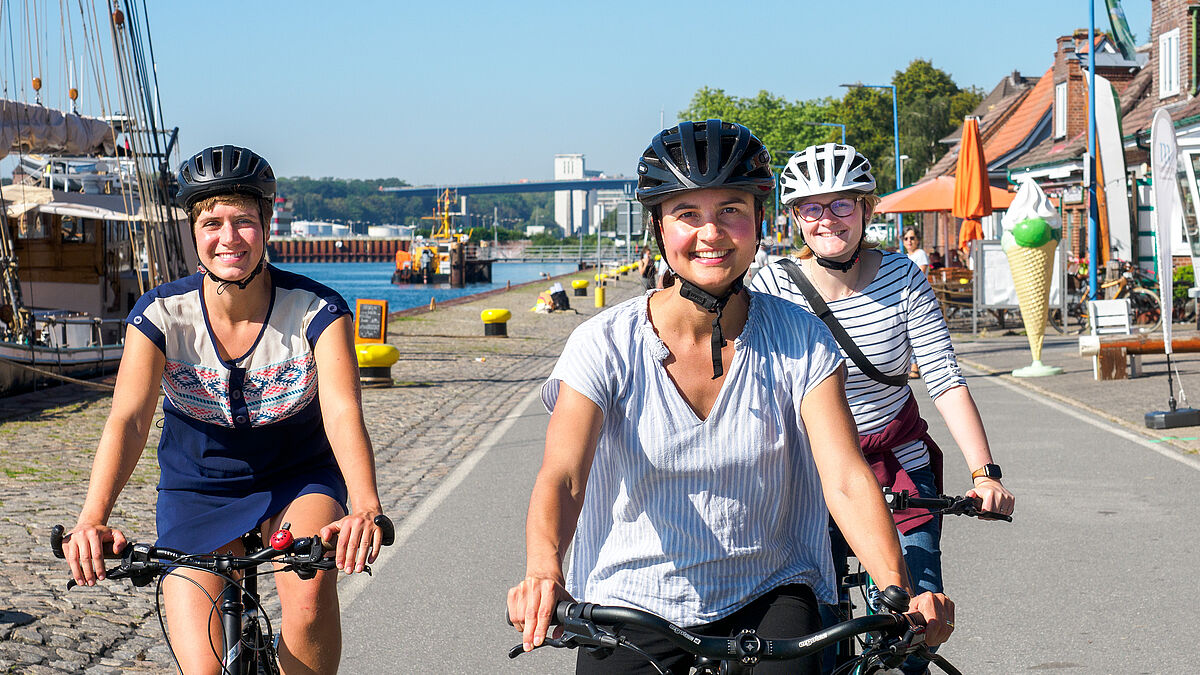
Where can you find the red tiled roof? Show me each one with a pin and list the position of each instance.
(1006, 125)
(1053, 150)
(1014, 130)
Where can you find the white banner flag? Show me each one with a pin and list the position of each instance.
(1168, 209)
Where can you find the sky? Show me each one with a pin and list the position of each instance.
(452, 92)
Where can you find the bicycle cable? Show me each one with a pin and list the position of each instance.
(189, 563)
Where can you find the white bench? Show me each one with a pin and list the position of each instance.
(1110, 317)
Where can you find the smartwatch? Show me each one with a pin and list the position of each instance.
(987, 471)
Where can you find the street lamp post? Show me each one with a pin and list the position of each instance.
(895, 135)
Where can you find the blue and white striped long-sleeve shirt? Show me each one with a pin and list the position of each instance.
(693, 518)
(895, 316)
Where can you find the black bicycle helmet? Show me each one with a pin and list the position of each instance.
(222, 170)
(697, 156)
(707, 154)
(225, 170)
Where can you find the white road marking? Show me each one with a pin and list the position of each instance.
(349, 588)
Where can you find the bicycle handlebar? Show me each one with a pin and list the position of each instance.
(142, 562)
(589, 625)
(950, 506)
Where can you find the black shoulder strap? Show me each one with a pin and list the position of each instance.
(843, 338)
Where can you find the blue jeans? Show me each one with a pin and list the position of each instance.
(923, 554)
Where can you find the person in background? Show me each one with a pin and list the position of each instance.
(662, 273)
(935, 260)
(699, 437)
(912, 248)
(647, 269)
(886, 306)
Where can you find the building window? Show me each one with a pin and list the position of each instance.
(1060, 110)
(1168, 63)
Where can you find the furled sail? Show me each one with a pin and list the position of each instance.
(40, 130)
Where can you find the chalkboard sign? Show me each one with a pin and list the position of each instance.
(370, 323)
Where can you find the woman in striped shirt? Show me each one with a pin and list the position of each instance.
(885, 304)
(698, 434)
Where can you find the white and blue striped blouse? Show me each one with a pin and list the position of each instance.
(894, 317)
(693, 518)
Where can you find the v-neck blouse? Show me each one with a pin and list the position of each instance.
(687, 518)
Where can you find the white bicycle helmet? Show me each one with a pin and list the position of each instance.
(822, 169)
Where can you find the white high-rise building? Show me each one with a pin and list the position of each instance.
(571, 207)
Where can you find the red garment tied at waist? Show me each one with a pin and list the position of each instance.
(878, 449)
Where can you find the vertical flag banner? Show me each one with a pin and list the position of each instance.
(1120, 28)
(1168, 208)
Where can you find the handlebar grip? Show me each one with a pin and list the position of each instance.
(387, 533)
(56, 541)
(388, 529)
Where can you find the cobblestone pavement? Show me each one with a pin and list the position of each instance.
(452, 385)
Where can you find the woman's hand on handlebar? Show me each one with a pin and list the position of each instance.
(358, 540)
(937, 612)
(995, 497)
(85, 547)
(531, 606)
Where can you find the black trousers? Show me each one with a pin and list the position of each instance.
(784, 612)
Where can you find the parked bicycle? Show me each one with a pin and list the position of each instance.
(1132, 283)
(597, 627)
(848, 651)
(249, 640)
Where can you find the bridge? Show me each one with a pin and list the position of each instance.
(628, 185)
(559, 254)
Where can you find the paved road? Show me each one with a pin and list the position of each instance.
(1093, 577)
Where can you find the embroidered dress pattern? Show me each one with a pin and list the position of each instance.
(281, 389)
(198, 392)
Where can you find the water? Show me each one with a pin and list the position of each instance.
(374, 281)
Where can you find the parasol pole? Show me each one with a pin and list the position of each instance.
(1093, 233)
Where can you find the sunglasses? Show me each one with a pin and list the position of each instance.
(812, 211)
(910, 238)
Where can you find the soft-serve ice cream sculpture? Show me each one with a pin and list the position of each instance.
(1032, 229)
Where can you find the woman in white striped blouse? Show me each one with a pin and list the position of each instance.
(697, 434)
(885, 304)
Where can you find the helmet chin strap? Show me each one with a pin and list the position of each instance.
(839, 266)
(222, 284)
(714, 305)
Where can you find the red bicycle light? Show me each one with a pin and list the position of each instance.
(281, 540)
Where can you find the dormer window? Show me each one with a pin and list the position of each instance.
(1168, 63)
(1060, 110)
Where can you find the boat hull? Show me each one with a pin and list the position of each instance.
(20, 365)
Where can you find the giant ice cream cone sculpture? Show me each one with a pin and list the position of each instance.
(1030, 239)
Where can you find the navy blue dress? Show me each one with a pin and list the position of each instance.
(242, 438)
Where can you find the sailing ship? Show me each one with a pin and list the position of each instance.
(445, 257)
(87, 222)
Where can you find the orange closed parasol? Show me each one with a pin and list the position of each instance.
(972, 193)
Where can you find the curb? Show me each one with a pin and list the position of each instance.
(1074, 403)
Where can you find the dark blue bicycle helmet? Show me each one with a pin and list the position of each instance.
(709, 154)
(225, 169)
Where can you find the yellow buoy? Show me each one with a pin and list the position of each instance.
(495, 322)
(580, 287)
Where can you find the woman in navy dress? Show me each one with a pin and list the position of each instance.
(249, 440)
